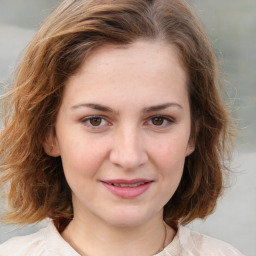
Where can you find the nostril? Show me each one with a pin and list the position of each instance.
(127, 150)
(128, 160)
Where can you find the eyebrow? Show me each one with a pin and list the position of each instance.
(93, 106)
(145, 110)
(161, 107)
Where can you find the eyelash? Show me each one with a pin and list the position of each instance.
(167, 121)
(86, 121)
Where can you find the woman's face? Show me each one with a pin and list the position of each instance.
(123, 132)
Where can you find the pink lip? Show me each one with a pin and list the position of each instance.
(127, 192)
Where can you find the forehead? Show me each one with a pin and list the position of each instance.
(157, 53)
(148, 69)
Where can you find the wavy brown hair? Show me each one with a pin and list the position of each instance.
(36, 184)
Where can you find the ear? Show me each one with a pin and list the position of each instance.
(51, 145)
(190, 147)
(192, 140)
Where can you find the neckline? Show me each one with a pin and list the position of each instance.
(56, 243)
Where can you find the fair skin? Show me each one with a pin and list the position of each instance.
(123, 133)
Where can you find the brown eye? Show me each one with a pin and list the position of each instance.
(95, 121)
(158, 120)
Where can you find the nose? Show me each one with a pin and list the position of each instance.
(128, 150)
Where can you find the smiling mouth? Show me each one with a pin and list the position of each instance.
(127, 189)
(122, 185)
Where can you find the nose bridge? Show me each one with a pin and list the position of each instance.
(128, 148)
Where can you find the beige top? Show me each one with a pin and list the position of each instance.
(48, 242)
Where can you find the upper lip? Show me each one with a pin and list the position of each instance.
(125, 181)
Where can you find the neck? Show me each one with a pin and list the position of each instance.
(91, 238)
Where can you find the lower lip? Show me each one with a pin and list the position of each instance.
(127, 192)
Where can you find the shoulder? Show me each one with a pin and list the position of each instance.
(33, 244)
(46, 242)
(199, 244)
(190, 243)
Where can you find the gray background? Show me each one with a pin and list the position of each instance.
(232, 26)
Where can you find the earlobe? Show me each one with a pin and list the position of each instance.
(192, 140)
(190, 148)
(51, 145)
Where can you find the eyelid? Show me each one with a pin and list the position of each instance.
(169, 119)
(84, 120)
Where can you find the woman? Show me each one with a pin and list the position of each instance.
(117, 132)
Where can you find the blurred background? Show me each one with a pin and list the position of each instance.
(231, 24)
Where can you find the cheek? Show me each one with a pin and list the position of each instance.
(82, 158)
(172, 164)
(169, 160)
(170, 152)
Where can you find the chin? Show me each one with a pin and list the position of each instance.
(129, 218)
(126, 223)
